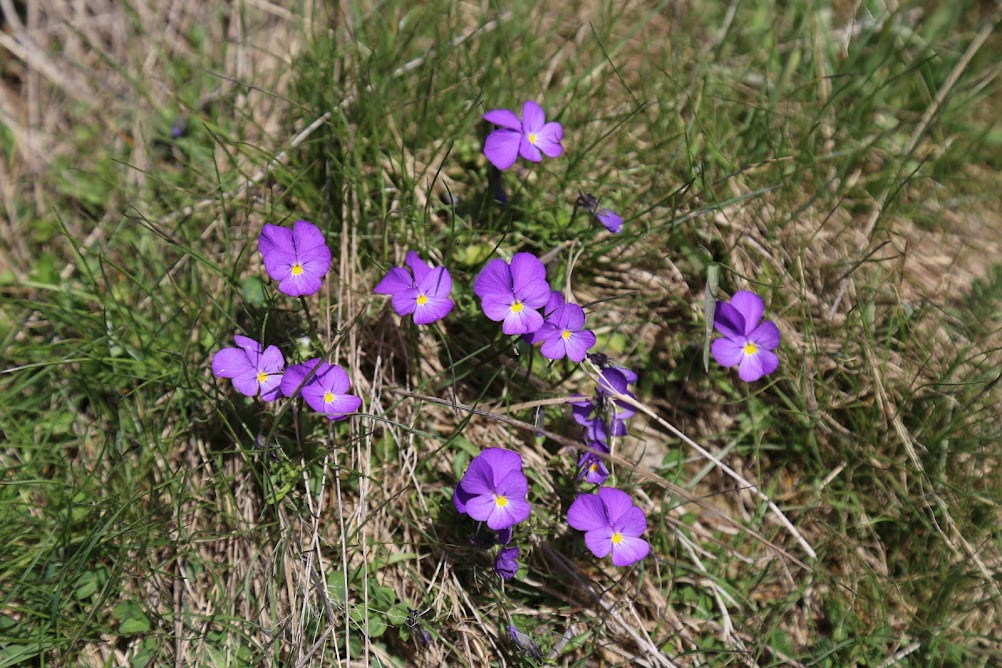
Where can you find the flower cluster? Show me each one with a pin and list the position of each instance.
(298, 259)
(516, 294)
(602, 418)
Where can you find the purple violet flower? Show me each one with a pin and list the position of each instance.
(511, 293)
(252, 370)
(611, 220)
(493, 489)
(426, 294)
(591, 468)
(747, 343)
(612, 524)
(326, 391)
(506, 562)
(298, 258)
(563, 334)
(530, 137)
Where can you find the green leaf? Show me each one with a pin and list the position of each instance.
(133, 619)
(254, 293)
(397, 615)
(86, 586)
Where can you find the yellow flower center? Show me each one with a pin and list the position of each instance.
(750, 348)
(593, 468)
(501, 501)
(328, 397)
(261, 377)
(422, 300)
(297, 269)
(533, 138)
(517, 306)
(617, 538)
(566, 334)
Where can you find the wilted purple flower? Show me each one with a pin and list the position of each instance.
(493, 489)
(599, 425)
(612, 221)
(511, 293)
(603, 362)
(563, 334)
(747, 344)
(611, 524)
(178, 129)
(426, 294)
(530, 137)
(415, 626)
(506, 563)
(326, 391)
(252, 370)
(527, 644)
(614, 379)
(296, 258)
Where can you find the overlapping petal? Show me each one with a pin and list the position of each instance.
(766, 335)
(750, 306)
(533, 117)
(306, 236)
(230, 363)
(548, 140)
(502, 148)
(728, 320)
(527, 271)
(617, 503)
(396, 280)
(505, 118)
(629, 551)
(611, 220)
(494, 279)
(728, 352)
(419, 267)
(587, 513)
